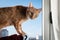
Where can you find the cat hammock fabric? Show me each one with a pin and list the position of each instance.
(12, 37)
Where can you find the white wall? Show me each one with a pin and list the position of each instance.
(58, 19)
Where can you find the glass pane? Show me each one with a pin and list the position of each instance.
(32, 27)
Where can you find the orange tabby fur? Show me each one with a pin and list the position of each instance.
(16, 16)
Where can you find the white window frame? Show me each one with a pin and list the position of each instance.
(46, 23)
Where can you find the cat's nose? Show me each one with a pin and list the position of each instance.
(40, 9)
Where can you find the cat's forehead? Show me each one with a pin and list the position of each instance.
(33, 8)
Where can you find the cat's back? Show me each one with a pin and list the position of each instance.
(8, 12)
(5, 13)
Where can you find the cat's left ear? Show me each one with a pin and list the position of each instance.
(30, 5)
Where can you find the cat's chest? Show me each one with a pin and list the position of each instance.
(22, 21)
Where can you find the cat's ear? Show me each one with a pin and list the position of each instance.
(30, 4)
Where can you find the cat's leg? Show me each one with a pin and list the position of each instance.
(19, 29)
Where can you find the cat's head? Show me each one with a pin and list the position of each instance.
(33, 12)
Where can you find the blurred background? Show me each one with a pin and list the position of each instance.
(33, 28)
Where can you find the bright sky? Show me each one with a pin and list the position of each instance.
(31, 27)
